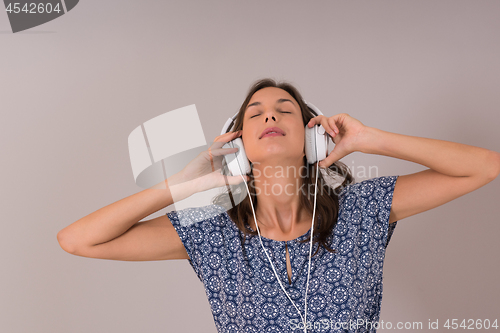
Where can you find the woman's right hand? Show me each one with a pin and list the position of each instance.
(205, 169)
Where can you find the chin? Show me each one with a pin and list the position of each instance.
(277, 158)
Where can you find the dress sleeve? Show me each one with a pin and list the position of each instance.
(370, 202)
(383, 189)
(193, 225)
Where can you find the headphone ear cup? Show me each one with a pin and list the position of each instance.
(237, 163)
(315, 137)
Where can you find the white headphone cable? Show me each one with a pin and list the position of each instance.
(310, 248)
(312, 229)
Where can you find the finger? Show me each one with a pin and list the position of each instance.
(326, 125)
(211, 160)
(230, 133)
(334, 156)
(235, 180)
(219, 143)
(315, 121)
(323, 121)
(223, 151)
(228, 136)
(333, 125)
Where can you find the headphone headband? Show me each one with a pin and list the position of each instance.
(230, 121)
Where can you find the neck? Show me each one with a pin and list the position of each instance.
(279, 212)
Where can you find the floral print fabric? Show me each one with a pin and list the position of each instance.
(345, 288)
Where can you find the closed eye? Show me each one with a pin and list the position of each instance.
(278, 111)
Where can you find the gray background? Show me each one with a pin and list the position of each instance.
(72, 90)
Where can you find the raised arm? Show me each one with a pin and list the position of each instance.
(114, 231)
(454, 169)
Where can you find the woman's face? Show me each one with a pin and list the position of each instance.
(273, 107)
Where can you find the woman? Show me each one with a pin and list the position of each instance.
(352, 225)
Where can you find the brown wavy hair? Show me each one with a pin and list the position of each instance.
(327, 196)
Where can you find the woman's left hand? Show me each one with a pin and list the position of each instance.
(347, 133)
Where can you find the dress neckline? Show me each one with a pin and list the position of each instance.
(304, 236)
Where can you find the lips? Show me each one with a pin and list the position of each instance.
(272, 129)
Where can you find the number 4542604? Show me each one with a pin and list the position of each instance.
(471, 324)
(33, 8)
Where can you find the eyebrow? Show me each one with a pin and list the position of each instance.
(281, 100)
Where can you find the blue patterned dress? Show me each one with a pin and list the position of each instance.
(345, 288)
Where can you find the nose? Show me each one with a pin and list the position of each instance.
(267, 118)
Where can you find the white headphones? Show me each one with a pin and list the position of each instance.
(316, 148)
(315, 137)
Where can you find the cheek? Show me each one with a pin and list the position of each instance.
(298, 143)
(299, 137)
